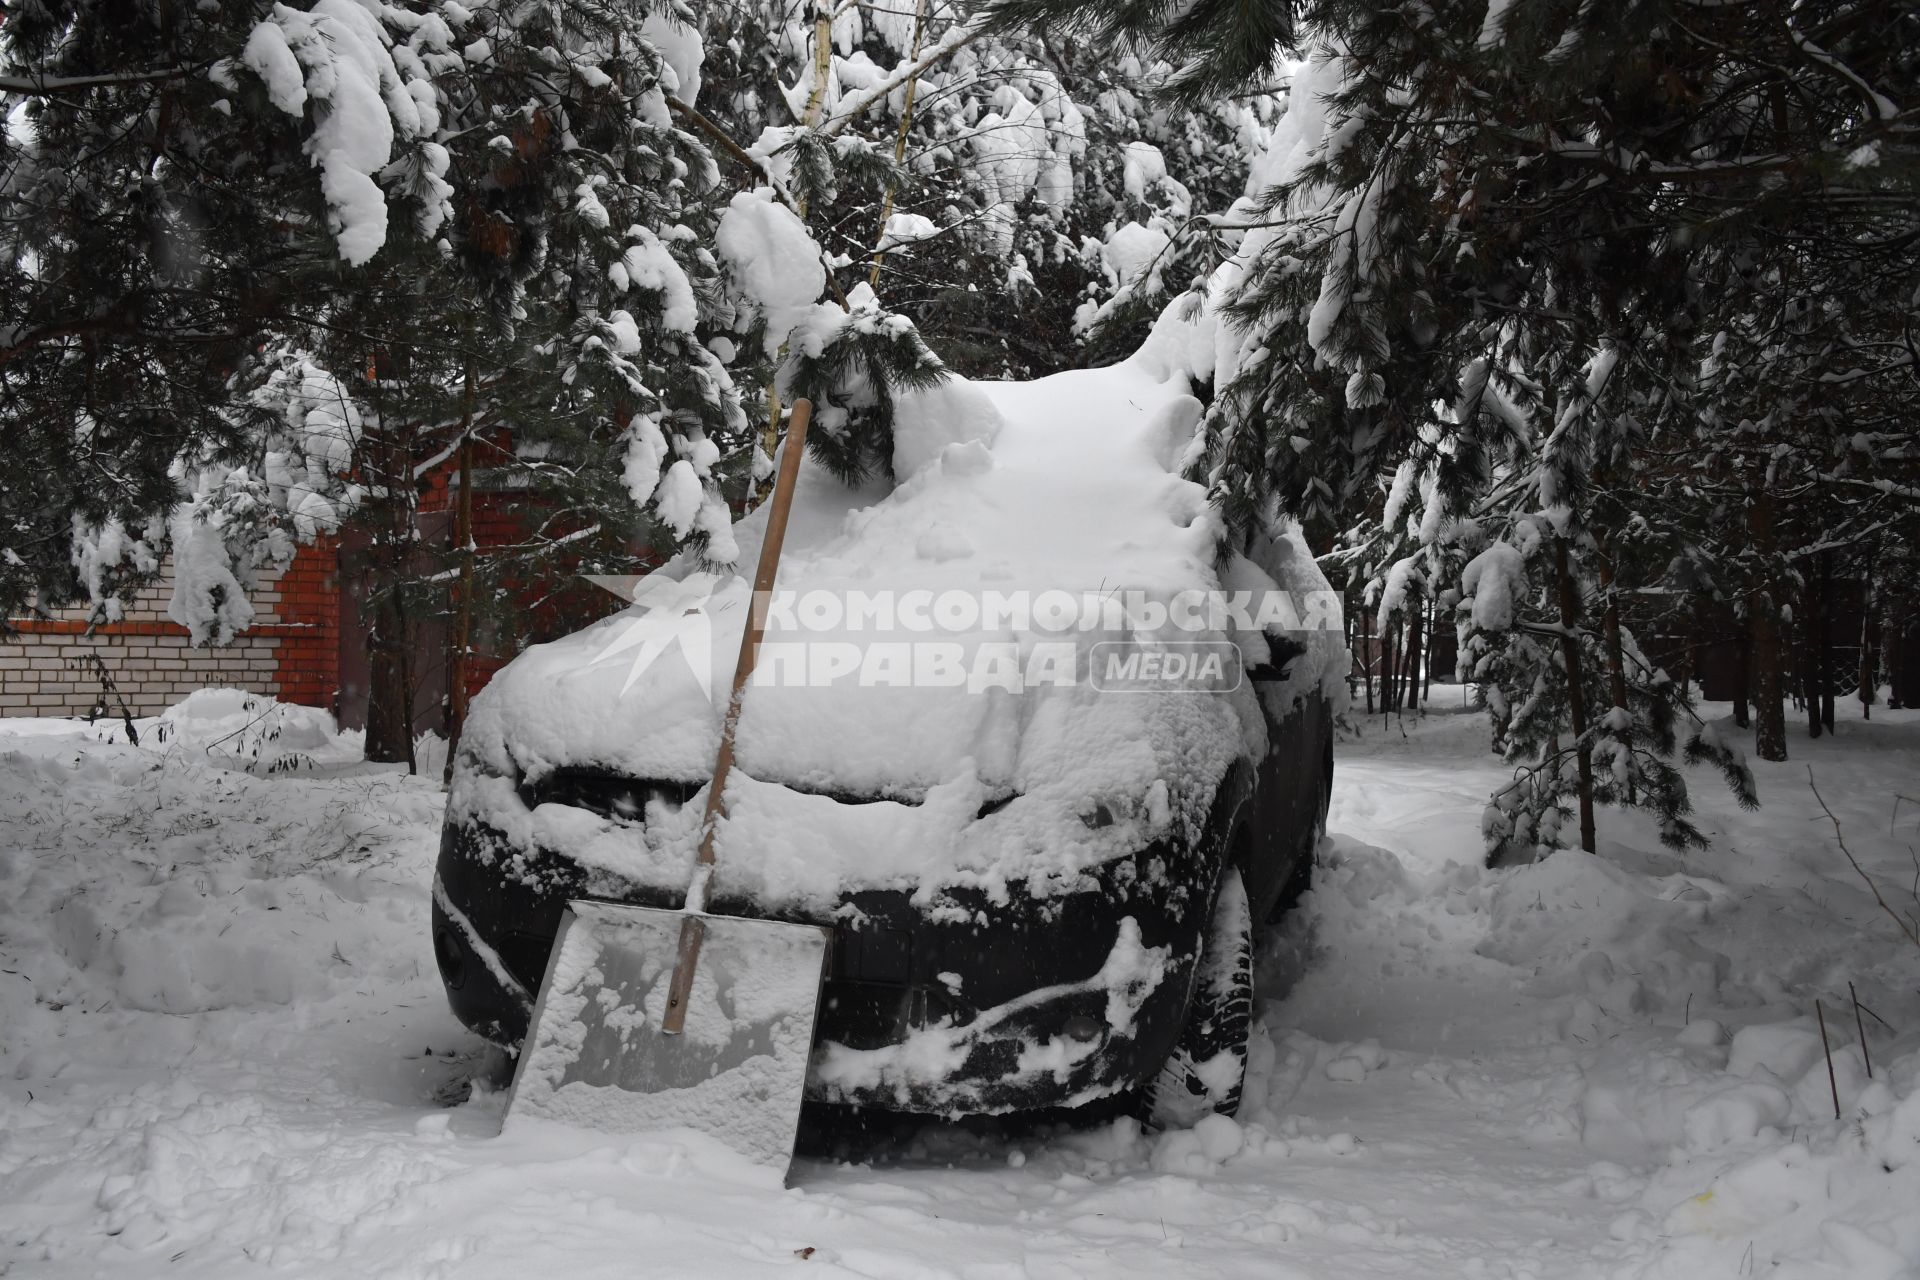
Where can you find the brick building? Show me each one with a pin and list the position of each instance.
(307, 643)
(53, 666)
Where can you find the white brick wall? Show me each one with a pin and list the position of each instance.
(150, 604)
(52, 674)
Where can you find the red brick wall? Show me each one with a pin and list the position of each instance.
(554, 602)
(308, 668)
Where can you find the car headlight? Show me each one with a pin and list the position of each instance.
(1151, 809)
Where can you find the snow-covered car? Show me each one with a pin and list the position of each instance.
(1045, 868)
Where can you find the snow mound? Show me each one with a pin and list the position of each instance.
(200, 879)
(1664, 1008)
(249, 728)
(929, 422)
(232, 729)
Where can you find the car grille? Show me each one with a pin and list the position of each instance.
(612, 796)
(607, 794)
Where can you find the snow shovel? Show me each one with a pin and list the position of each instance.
(651, 1019)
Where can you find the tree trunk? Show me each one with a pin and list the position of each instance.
(1743, 676)
(1386, 672)
(389, 651)
(1433, 620)
(389, 677)
(1576, 692)
(1809, 630)
(461, 640)
(389, 737)
(1763, 611)
(1366, 654)
(1690, 650)
(1349, 632)
(1825, 666)
(1869, 636)
(899, 144)
(1770, 712)
(822, 52)
(1616, 649)
(1417, 616)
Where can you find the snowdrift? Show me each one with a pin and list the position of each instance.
(225, 1046)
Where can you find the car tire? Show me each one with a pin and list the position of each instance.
(1306, 852)
(1208, 1066)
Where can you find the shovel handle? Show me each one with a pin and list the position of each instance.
(777, 510)
(692, 931)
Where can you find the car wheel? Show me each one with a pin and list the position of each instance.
(1208, 1066)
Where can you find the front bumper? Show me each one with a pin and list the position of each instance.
(962, 1005)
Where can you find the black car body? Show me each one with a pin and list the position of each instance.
(979, 995)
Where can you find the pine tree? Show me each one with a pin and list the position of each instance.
(492, 232)
(161, 222)
(1572, 267)
(1023, 195)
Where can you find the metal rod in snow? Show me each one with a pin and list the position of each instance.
(1832, 1084)
(1860, 1029)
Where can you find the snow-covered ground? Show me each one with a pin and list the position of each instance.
(223, 1050)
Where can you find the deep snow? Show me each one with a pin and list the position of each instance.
(223, 1047)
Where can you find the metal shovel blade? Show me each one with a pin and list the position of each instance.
(596, 1057)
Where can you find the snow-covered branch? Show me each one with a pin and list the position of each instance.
(855, 104)
(39, 86)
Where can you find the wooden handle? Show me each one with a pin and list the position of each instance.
(692, 932)
(756, 628)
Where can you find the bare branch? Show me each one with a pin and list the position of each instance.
(1906, 927)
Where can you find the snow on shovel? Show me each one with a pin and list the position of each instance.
(652, 1019)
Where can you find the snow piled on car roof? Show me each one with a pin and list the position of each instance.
(1070, 484)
